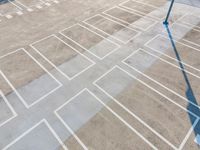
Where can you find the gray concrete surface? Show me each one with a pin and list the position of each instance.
(129, 95)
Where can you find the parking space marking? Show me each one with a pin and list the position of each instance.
(147, 44)
(189, 133)
(92, 63)
(108, 108)
(14, 114)
(43, 121)
(19, 10)
(154, 8)
(188, 18)
(117, 46)
(142, 17)
(157, 81)
(134, 115)
(15, 9)
(10, 1)
(187, 29)
(16, 91)
(29, 8)
(135, 32)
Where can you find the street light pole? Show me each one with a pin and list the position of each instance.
(168, 14)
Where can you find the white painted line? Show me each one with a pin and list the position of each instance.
(159, 35)
(185, 99)
(107, 107)
(39, 6)
(14, 114)
(29, 9)
(32, 128)
(59, 70)
(20, 13)
(106, 18)
(15, 90)
(188, 134)
(134, 115)
(55, 1)
(197, 139)
(47, 4)
(130, 24)
(9, 16)
(117, 45)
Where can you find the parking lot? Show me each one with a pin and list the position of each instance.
(103, 74)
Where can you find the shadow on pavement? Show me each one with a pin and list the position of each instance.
(189, 92)
(5, 1)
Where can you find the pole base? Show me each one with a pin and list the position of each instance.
(165, 23)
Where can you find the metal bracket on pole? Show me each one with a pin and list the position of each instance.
(168, 14)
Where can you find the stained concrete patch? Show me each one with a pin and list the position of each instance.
(63, 57)
(90, 41)
(112, 28)
(103, 131)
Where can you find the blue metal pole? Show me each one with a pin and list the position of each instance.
(168, 14)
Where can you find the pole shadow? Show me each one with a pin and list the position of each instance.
(5, 1)
(189, 92)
